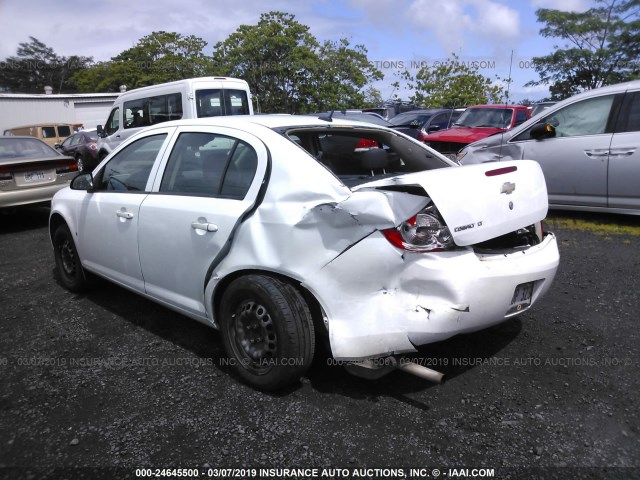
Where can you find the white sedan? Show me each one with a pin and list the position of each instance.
(280, 229)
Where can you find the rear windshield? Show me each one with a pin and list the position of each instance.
(24, 148)
(486, 117)
(407, 119)
(360, 155)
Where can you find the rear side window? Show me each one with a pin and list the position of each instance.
(128, 171)
(152, 110)
(210, 165)
(48, 132)
(64, 130)
(629, 120)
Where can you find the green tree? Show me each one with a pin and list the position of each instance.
(601, 47)
(453, 84)
(340, 76)
(287, 69)
(36, 65)
(156, 58)
(276, 57)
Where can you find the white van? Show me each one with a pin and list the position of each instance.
(190, 98)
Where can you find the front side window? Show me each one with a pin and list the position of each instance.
(206, 164)
(128, 170)
(441, 121)
(113, 122)
(588, 117)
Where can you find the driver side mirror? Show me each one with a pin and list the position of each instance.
(84, 182)
(100, 131)
(542, 130)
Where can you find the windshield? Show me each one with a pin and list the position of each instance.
(406, 119)
(12, 147)
(486, 117)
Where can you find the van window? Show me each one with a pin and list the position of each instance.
(64, 130)
(152, 110)
(216, 102)
(134, 115)
(48, 132)
(165, 108)
(113, 122)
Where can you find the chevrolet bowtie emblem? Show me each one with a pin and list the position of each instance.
(508, 188)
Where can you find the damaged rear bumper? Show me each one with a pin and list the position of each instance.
(381, 301)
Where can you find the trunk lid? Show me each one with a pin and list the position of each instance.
(480, 202)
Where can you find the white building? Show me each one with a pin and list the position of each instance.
(89, 109)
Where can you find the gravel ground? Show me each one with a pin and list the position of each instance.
(102, 384)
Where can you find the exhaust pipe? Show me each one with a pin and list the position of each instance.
(420, 371)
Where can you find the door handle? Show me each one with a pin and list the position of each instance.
(623, 151)
(597, 153)
(127, 215)
(207, 227)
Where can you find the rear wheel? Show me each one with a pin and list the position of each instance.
(267, 331)
(68, 266)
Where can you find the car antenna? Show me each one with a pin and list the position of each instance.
(506, 105)
(328, 118)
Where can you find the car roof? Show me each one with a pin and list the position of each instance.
(269, 121)
(497, 105)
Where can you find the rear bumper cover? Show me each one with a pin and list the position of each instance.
(381, 301)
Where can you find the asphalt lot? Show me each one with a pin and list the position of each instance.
(102, 384)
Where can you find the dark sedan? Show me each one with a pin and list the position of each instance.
(83, 147)
(419, 123)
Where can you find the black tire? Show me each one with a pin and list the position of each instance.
(267, 331)
(68, 266)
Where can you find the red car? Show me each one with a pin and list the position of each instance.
(476, 123)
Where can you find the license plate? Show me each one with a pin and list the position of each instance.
(31, 177)
(521, 298)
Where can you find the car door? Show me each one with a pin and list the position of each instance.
(108, 239)
(208, 182)
(624, 156)
(575, 161)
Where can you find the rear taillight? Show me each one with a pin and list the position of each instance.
(424, 232)
(66, 166)
(365, 144)
(5, 173)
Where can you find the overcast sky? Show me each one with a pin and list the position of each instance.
(397, 33)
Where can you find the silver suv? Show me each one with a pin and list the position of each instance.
(587, 146)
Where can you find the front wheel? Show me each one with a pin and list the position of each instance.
(267, 331)
(68, 266)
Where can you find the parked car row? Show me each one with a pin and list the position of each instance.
(588, 147)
